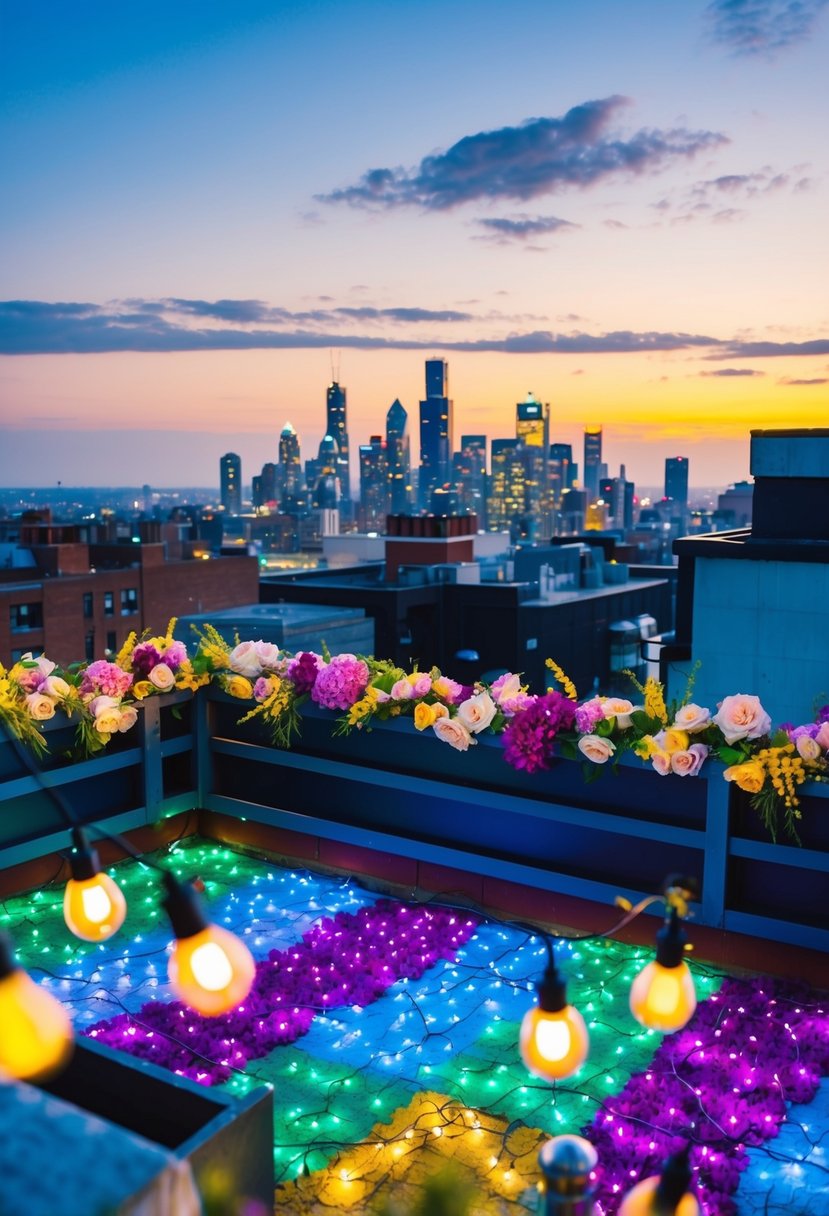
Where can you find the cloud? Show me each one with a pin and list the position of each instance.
(762, 27)
(716, 198)
(733, 371)
(803, 383)
(772, 350)
(505, 231)
(541, 156)
(35, 327)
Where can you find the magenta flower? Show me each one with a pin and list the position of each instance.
(340, 683)
(144, 658)
(529, 736)
(302, 672)
(175, 655)
(587, 715)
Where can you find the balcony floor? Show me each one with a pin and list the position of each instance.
(375, 1090)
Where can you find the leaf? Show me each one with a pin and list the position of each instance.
(644, 723)
(604, 727)
(730, 755)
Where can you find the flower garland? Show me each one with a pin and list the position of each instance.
(677, 738)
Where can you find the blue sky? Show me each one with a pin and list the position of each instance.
(618, 206)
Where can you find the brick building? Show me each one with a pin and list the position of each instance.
(78, 600)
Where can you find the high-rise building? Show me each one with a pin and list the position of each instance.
(512, 497)
(531, 422)
(532, 427)
(290, 467)
(592, 461)
(676, 479)
(617, 494)
(435, 430)
(375, 494)
(230, 479)
(399, 459)
(561, 470)
(336, 425)
(469, 476)
(327, 491)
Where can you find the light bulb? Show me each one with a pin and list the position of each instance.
(643, 1201)
(35, 1030)
(210, 969)
(553, 1040)
(662, 997)
(666, 1194)
(93, 904)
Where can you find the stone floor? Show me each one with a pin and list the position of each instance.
(397, 1045)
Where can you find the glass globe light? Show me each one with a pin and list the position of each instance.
(210, 969)
(35, 1031)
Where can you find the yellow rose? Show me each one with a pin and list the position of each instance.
(749, 776)
(240, 686)
(141, 689)
(424, 715)
(646, 746)
(674, 740)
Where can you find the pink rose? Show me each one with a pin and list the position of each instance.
(421, 683)
(688, 763)
(807, 748)
(33, 677)
(742, 717)
(692, 718)
(453, 732)
(661, 761)
(128, 719)
(506, 688)
(477, 712)
(244, 660)
(596, 749)
(162, 677)
(402, 690)
(41, 708)
(822, 737)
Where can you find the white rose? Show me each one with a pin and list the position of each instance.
(267, 654)
(453, 732)
(41, 708)
(54, 686)
(742, 717)
(245, 660)
(692, 718)
(107, 714)
(620, 709)
(477, 713)
(162, 677)
(597, 749)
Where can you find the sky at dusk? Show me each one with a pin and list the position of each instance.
(620, 207)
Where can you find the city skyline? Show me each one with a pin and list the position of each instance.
(617, 208)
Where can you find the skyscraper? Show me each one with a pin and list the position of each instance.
(399, 459)
(230, 480)
(290, 467)
(435, 430)
(469, 476)
(531, 422)
(676, 480)
(592, 461)
(561, 470)
(336, 425)
(374, 484)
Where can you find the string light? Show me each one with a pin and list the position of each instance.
(662, 997)
(666, 1194)
(93, 904)
(35, 1030)
(210, 969)
(553, 1040)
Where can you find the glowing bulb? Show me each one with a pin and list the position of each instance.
(662, 996)
(210, 969)
(553, 1040)
(35, 1030)
(93, 904)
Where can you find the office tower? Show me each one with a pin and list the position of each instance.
(399, 459)
(676, 480)
(592, 461)
(375, 494)
(512, 494)
(469, 476)
(290, 467)
(561, 470)
(336, 425)
(531, 421)
(267, 482)
(327, 489)
(617, 494)
(532, 427)
(230, 478)
(435, 431)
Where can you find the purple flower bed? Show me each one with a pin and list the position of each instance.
(348, 960)
(723, 1082)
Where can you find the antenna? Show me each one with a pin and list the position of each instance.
(335, 366)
